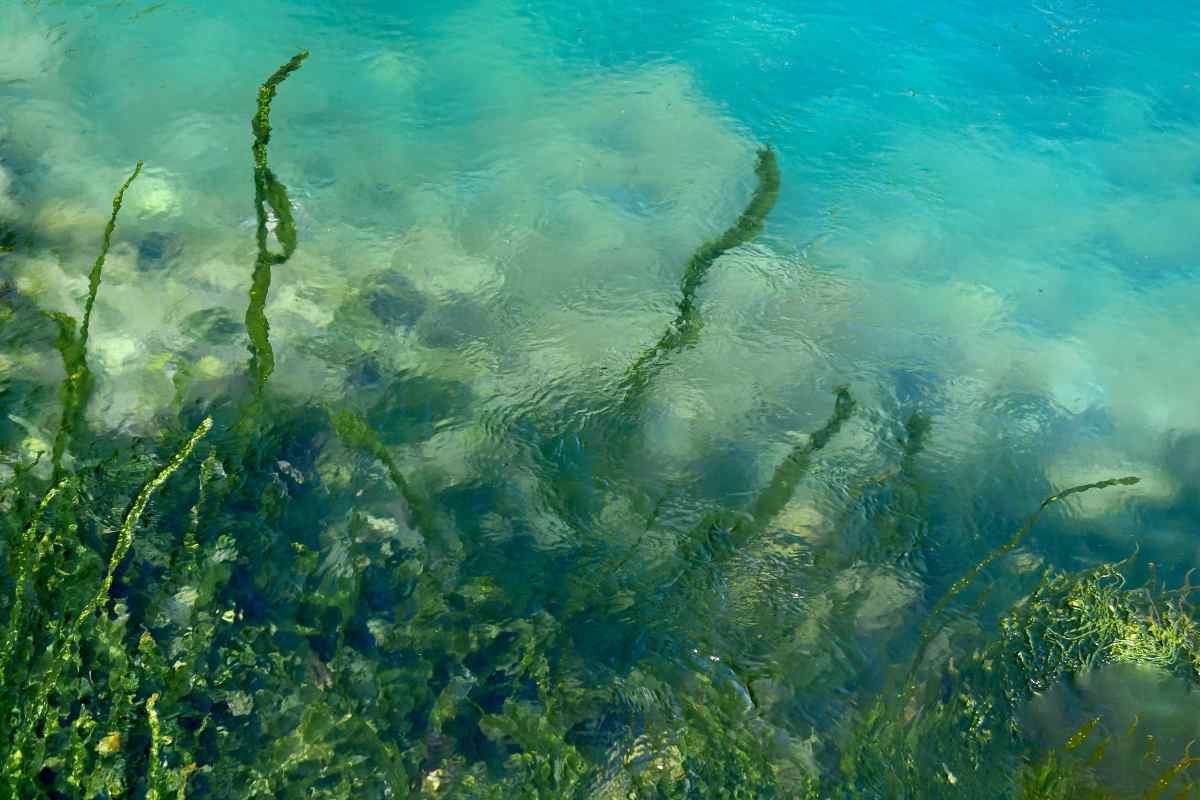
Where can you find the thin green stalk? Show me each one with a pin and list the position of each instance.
(125, 534)
(685, 328)
(776, 495)
(77, 387)
(261, 122)
(270, 193)
(356, 432)
(738, 530)
(154, 773)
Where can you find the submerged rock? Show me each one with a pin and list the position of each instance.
(157, 196)
(213, 325)
(454, 325)
(156, 250)
(882, 596)
(395, 301)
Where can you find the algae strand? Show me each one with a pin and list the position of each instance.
(21, 572)
(269, 193)
(125, 534)
(77, 386)
(722, 533)
(261, 122)
(154, 770)
(356, 432)
(685, 328)
(772, 499)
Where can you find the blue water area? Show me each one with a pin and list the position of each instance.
(492, 506)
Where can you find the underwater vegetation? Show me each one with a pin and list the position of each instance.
(258, 601)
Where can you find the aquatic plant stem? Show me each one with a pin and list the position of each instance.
(260, 124)
(685, 328)
(723, 533)
(615, 440)
(356, 432)
(77, 386)
(930, 629)
(772, 499)
(269, 193)
(153, 773)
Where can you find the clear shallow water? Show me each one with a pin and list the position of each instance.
(988, 214)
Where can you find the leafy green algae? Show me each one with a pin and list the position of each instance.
(280, 627)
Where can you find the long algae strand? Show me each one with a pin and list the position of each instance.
(776, 494)
(685, 328)
(270, 193)
(773, 497)
(77, 386)
(356, 432)
(960, 585)
(909, 687)
(702, 545)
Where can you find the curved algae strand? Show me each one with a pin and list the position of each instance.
(1069, 624)
(77, 386)
(738, 529)
(260, 123)
(772, 499)
(269, 193)
(747, 226)
(356, 432)
(134, 515)
(154, 768)
(685, 328)
(1164, 781)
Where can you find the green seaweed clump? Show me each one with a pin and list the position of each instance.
(961, 726)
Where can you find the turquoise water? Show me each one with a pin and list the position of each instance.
(989, 217)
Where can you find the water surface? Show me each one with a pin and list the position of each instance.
(988, 219)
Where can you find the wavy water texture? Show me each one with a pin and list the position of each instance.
(473, 517)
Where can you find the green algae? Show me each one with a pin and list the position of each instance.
(964, 722)
(357, 432)
(684, 330)
(26, 745)
(22, 569)
(277, 633)
(974, 572)
(776, 494)
(72, 344)
(270, 195)
(1058, 777)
